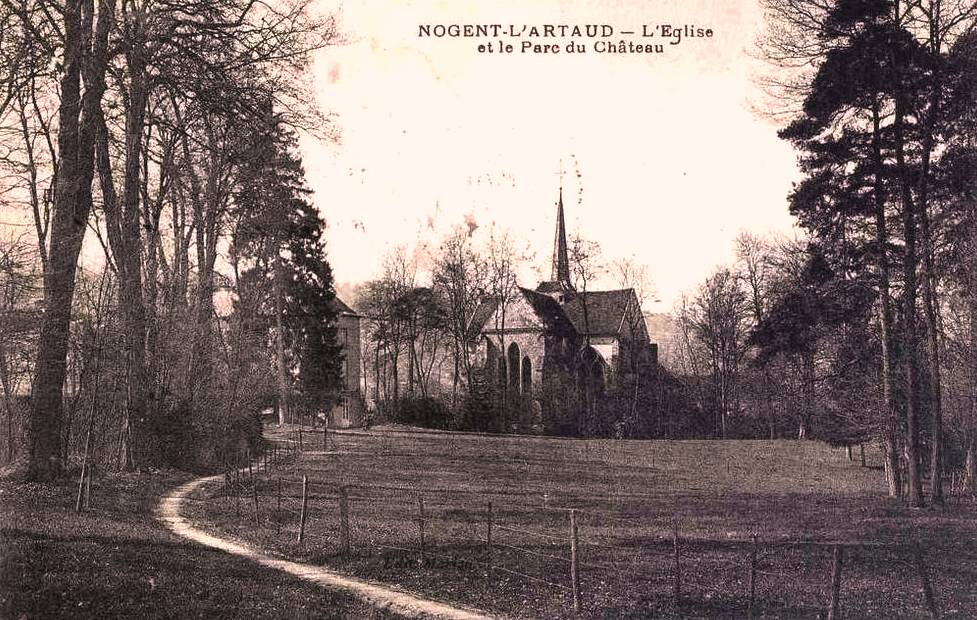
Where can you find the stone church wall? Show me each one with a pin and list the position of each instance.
(529, 343)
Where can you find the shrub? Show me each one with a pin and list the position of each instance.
(423, 411)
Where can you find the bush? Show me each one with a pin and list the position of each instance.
(421, 411)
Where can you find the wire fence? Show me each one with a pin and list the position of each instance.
(567, 550)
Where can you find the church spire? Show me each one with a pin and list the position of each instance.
(561, 262)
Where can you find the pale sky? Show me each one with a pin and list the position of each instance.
(673, 161)
(666, 159)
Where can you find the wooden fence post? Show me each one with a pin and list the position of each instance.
(861, 452)
(237, 488)
(677, 565)
(254, 497)
(305, 500)
(79, 504)
(344, 520)
(88, 487)
(278, 520)
(836, 566)
(753, 564)
(420, 524)
(300, 439)
(934, 611)
(488, 535)
(325, 436)
(574, 567)
(250, 470)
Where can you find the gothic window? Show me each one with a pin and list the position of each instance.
(514, 374)
(527, 376)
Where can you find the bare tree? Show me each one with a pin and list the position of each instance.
(460, 278)
(718, 319)
(18, 290)
(503, 263)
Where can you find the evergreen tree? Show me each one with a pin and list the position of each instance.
(879, 126)
(283, 273)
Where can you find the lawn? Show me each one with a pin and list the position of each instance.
(117, 561)
(627, 497)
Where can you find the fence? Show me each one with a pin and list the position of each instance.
(567, 551)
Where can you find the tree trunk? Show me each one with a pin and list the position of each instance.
(8, 401)
(890, 415)
(129, 255)
(970, 473)
(971, 462)
(72, 205)
(284, 407)
(411, 356)
(930, 301)
(909, 335)
(201, 366)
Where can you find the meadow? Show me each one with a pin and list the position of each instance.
(635, 503)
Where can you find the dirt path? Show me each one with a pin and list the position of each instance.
(379, 596)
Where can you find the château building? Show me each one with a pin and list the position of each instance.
(350, 409)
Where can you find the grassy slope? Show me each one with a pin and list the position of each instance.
(117, 561)
(628, 494)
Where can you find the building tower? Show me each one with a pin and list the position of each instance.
(559, 281)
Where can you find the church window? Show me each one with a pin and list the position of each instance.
(527, 376)
(514, 374)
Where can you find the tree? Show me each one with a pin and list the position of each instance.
(632, 275)
(717, 319)
(285, 275)
(124, 73)
(419, 311)
(18, 291)
(84, 53)
(460, 279)
(503, 287)
(870, 130)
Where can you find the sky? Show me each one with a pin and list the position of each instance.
(665, 157)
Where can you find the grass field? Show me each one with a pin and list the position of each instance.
(627, 495)
(117, 561)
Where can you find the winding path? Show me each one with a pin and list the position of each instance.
(380, 596)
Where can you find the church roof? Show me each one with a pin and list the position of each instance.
(544, 307)
(599, 313)
(547, 309)
(341, 308)
(594, 313)
(486, 308)
(551, 287)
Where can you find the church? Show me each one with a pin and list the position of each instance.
(557, 348)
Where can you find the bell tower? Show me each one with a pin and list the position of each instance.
(560, 270)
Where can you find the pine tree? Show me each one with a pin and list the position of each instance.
(283, 271)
